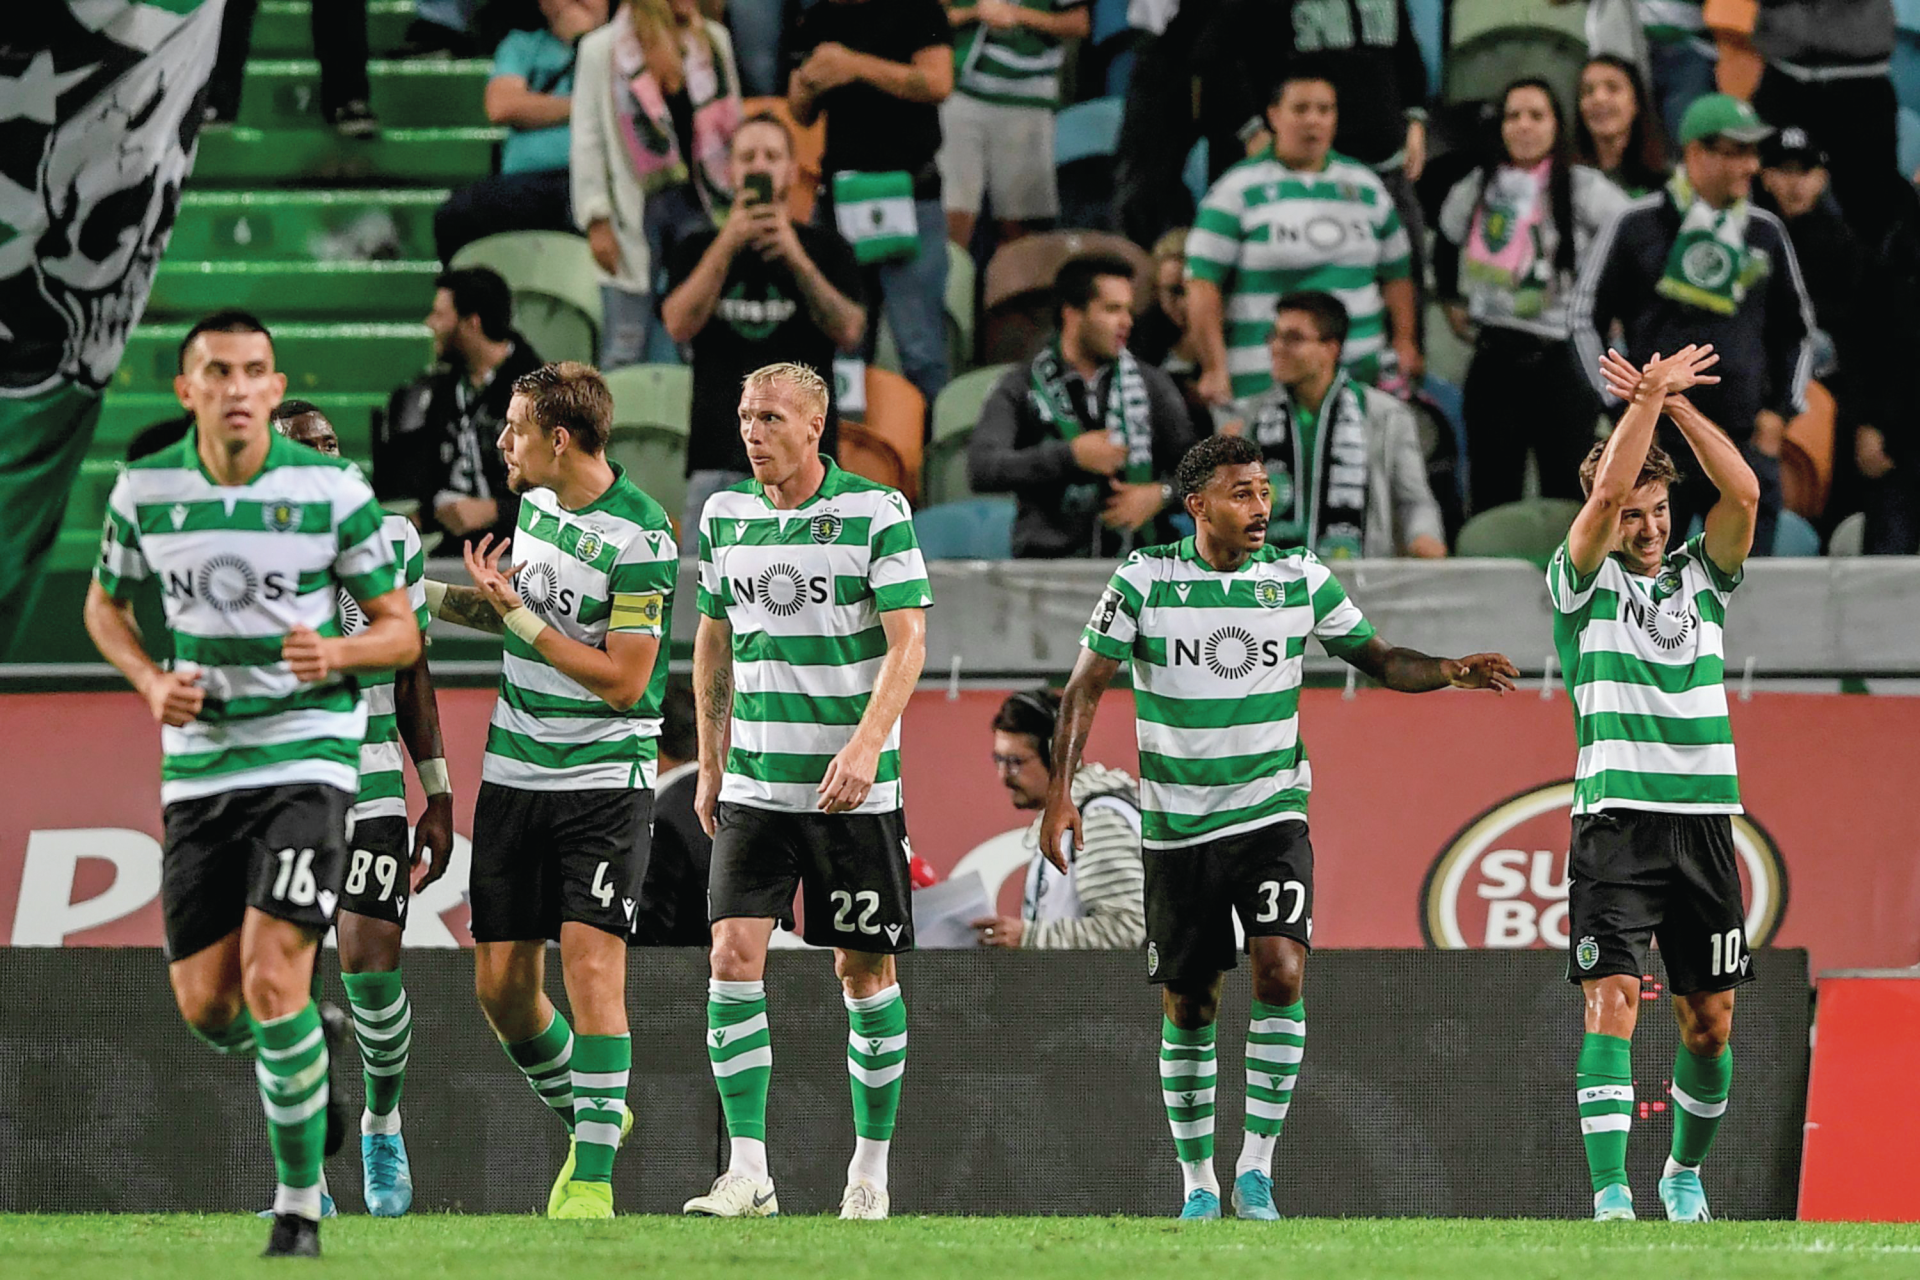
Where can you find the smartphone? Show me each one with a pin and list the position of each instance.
(757, 188)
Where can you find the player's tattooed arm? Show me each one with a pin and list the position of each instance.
(1410, 671)
(713, 711)
(1078, 704)
(469, 607)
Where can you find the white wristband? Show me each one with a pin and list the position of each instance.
(525, 623)
(436, 595)
(433, 777)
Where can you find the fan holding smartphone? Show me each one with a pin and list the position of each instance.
(758, 290)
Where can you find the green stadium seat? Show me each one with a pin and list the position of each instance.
(652, 411)
(556, 289)
(316, 157)
(955, 411)
(87, 502)
(282, 28)
(319, 359)
(301, 290)
(305, 226)
(958, 405)
(1527, 530)
(418, 94)
(1480, 69)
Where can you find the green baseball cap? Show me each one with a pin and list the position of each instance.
(1724, 116)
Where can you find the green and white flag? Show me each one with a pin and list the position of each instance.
(874, 212)
(100, 103)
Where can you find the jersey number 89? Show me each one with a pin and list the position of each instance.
(385, 868)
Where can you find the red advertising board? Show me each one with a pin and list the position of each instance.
(1438, 820)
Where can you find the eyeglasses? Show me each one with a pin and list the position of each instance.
(1014, 764)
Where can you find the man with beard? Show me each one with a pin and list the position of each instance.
(1216, 628)
(465, 493)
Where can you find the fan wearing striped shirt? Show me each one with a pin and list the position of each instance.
(249, 539)
(562, 823)
(1638, 630)
(1215, 627)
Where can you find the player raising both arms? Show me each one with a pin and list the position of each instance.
(373, 900)
(1638, 630)
(560, 830)
(813, 601)
(250, 537)
(1216, 628)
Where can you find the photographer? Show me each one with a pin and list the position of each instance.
(759, 290)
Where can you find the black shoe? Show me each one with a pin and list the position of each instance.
(333, 1025)
(293, 1237)
(354, 119)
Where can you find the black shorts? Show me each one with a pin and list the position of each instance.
(378, 869)
(851, 866)
(1193, 893)
(282, 850)
(1633, 875)
(541, 858)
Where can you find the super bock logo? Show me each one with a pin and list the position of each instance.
(1502, 880)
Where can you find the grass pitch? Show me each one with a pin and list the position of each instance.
(192, 1247)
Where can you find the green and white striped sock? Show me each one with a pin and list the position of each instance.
(1604, 1081)
(600, 1067)
(1187, 1079)
(292, 1072)
(740, 1050)
(876, 1059)
(1276, 1041)
(1700, 1088)
(546, 1060)
(383, 1028)
(235, 1038)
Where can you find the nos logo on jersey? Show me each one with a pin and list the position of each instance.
(1502, 880)
(228, 584)
(782, 590)
(539, 586)
(1230, 653)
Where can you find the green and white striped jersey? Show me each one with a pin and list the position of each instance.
(1217, 660)
(383, 784)
(1265, 230)
(239, 566)
(607, 567)
(803, 591)
(1645, 664)
(1017, 67)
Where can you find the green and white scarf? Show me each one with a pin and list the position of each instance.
(1322, 500)
(1710, 265)
(875, 215)
(1126, 417)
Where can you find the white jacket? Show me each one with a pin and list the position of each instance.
(604, 183)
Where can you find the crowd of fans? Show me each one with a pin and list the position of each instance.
(1291, 304)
